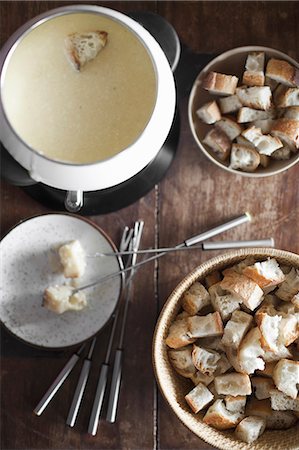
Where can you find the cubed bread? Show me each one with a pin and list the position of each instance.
(72, 258)
(265, 273)
(59, 299)
(223, 302)
(179, 335)
(282, 153)
(236, 328)
(209, 113)
(238, 268)
(230, 127)
(290, 286)
(286, 377)
(261, 387)
(287, 130)
(244, 288)
(254, 73)
(195, 298)
(220, 417)
(181, 360)
(219, 142)
(285, 97)
(291, 113)
(84, 47)
(251, 352)
(205, 360)
(280, 352)
(253, 78)
(212, 278)
(229, 104)
(246, 114)
(219, 83)
(265, 125)
(199, 397)
(241, 140)
(275, 420)
(283, 72)
(235, 403)
(200, 377)
(257, 97)
(289, 329)
(282, 402)
(269, 327)
(204, 326)
(244, 158)
(250, 429)
(233, 384)
(265, 143)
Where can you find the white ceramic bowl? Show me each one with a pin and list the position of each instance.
(231, 62)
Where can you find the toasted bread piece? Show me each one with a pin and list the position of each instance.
(253, 78)
(204, 326)
(290, 286)
(275, 420)
(233, 384)
(254, 73)
(270, 329)
(244, 288)
(84, 47)
(261, 387)
(250, 429)
(287, 130)
(286, 377)
(181, 360)
(223, 302)
(200, 377)
(283, 72)
(238, 268)
(246, 114)
(209, 113)
(220, 417)
(282, 154)
(281, 352)
(244, 158)
(205, 360)
(285, 97)
(258, 97)
(218, 83)
(212, 278)
(229, 104)
(195, 298)
(178, 335)
(236, 328)
(235, 403)
(251, 351)
(72, 258)
(59, 299)
(230, 127)
(199, 397)
(217, 140)
(265, 143)
(282, 402)
(289, 329)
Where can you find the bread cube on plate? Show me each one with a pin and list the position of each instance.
(243, 288)
(251, 352)
(265, 143)
(246, 114)
(233, 384)
(286, 377)
(283, 72)
(205, 360)
(195, 298)
(257, 97)
(220, 84)
(220, 417)
(290, 286)
(72, 258)
(275, 420)
(219, 142)
(261, 387)
(284, 97)
(250, 429)
(289, 329)
(202, 326)
(223, 302)
(287, 131)
(269, 327)
(236, 328)
(254, 73)
(178, 335)
(199, 397)
(241, 140)
(181, 360)
(282, 402)
(244, 158)
(59, 299)
(229, 104)
(235, 403)
(281, 352)
(209, 113)
(230, 127)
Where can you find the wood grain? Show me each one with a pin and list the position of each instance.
(194, 196)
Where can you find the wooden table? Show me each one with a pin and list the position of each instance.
(193, 196)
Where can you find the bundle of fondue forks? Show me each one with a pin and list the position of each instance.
(128, 252)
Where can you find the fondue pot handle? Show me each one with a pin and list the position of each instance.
(13, 172)
(73, 201)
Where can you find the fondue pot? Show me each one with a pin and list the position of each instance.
(118, 169)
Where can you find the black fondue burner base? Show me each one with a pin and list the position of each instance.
(121, 195)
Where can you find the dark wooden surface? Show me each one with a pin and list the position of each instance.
(193, 196)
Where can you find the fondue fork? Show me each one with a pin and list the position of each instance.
(187, 243)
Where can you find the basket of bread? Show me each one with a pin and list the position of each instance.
(244, 111)
(225, 350)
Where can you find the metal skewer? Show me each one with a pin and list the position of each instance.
(187, 243)
(59, 380)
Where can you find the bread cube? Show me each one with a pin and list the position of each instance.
(60, 299)
(250, 429)
(72, 258)
(199, 397)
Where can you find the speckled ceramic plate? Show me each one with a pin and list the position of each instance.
(29, 265)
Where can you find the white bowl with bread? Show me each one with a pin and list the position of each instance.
(225, 350)
(244, 111)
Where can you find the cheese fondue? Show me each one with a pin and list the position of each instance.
(79, 117)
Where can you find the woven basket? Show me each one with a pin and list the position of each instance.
(174, 387)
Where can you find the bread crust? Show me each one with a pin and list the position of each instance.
(282, 71)
(253, 78)
(288, 128)
(220, 83)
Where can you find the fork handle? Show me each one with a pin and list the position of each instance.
(77, 399)
(98, 401)
(115, 387)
